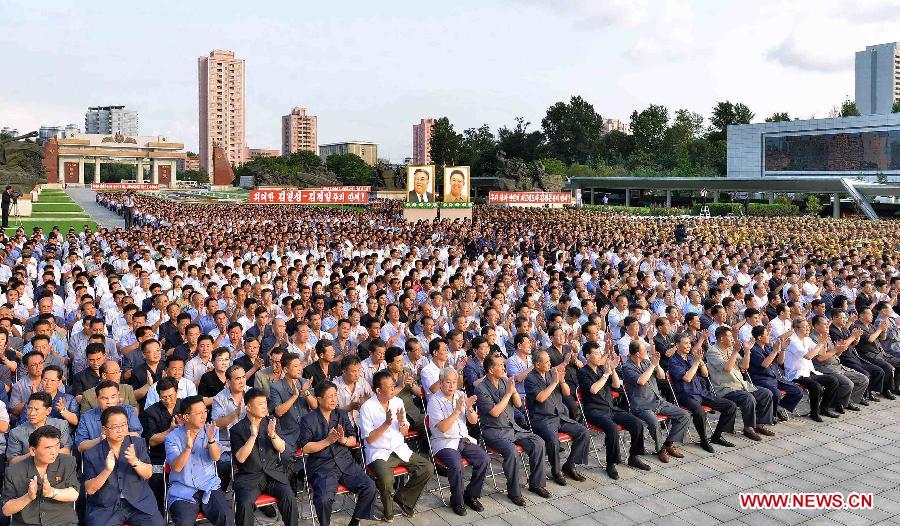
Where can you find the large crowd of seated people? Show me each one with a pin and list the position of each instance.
(221, 360)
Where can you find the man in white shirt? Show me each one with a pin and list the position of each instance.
(448, 412)
(798, 367)
(375, 362)
(383, 426)
(616, 317)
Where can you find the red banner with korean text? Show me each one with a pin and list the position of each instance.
(530, 198)
(138, 187)
(332, 195)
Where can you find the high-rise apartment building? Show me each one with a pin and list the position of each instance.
(111, 120)
(367, 150)
(615, 125)
(222, 110)
(298, 132)
(878, 78)
(422, 141)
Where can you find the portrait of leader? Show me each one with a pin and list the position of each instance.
(420, 183)
(456, 184)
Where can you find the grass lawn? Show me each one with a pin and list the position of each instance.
(47, 226)
(56, 207)
(63, 198)
(61, 215)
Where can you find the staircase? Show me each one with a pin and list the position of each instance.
(858, 198)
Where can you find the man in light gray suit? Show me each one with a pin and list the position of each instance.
(500, 432)
(645, 402)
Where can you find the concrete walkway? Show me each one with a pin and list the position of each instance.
(85, 197)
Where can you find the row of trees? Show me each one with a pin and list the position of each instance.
(571, 139)
(306, 168)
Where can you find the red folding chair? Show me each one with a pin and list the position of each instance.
(262, 501)
(341, 489)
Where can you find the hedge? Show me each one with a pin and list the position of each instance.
(637, 210)
(720, 209)
(775, 210)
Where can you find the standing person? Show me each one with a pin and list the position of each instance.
(326, 436)
(5, 203)
(42, 488)
(383, 426)
(256, 454)
(192, 450)
(128, 203)
(448, 412)
(497, 396)
(115, 477)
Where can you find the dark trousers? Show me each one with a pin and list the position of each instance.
(792, 396)
(843, 389)
(822, 390)
(609, 423)
(452, 458)
(533, 447)
(325, 482)
(875, 374)
(382, 471)
(549, 428)
(223, 468)
(5, 210)
(246, 493)
(129, 217)
(126, 513)
(755, 406)
(217, 510)
(889, 382)
(726, 409)
(157, 485)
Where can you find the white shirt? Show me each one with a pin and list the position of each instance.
(795, 363)
(613, 318)
(439, 408)
(195, 368)
(430, 374)
(777, 327)
(186, 388)
(371, 416)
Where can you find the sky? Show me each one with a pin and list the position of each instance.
(370, 70)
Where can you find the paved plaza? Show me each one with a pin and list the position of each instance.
(858, 452)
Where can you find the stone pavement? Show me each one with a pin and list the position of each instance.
(858, 452)
(86, 198)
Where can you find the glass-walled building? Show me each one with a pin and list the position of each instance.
(866, 146)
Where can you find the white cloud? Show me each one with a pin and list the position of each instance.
(790, 53)
(597, 14)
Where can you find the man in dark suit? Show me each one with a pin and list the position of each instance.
(420, 193)
(30, 498)
(500, 432)
(544, 390)
(116, 471)
(257, 447)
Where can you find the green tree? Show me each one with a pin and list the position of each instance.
(479, 151)
(779, 117)
(350, 168)
(649, 130)
(573, 130)
(848, 109)
(553, 166)
(519, 143)
(580, 170)
(896, 107)
(725, 114)
(446, 143)
(305, 161)
(616, 148)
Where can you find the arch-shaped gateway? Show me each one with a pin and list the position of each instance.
(65, 158)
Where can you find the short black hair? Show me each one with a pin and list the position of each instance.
(323, 388)
(105, 384)
(166, 383)
(189, 402)
(379, 377)
(252, 394)
(43, 432)
(109, 412)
